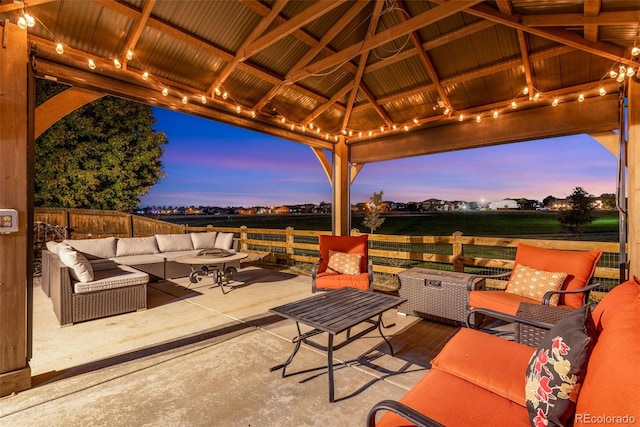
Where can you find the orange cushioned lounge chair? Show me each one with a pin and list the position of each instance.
(572, 291)
(344, 262)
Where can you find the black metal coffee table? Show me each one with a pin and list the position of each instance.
(335, 312)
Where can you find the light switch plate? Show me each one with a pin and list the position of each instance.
(8, 221)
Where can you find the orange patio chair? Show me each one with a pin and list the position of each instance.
(541, 276)
(344, 262)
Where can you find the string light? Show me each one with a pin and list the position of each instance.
(116, 63)
(495, 114)
(602, 91)
(238, 109)
(406, 128)
(145, 75)
(514, 105)
(129, 55)
(217, 91)
(22, 23)
(461, 117)
(555, 102)
(478, 119)
(536, 96)
(31, 21)
(225, 95)
(92, 64)
(59, 49)
(203, 99)
(165, 91)
(253, 114)
(185, 100)
(581, 97)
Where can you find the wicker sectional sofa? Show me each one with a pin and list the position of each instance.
(92, 278)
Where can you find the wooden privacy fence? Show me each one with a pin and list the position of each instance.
(391, 254)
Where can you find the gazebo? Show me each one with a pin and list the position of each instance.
(356, 81)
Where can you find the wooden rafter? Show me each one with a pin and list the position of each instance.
(627, 17)
(505, 7)
(134, 35)
(475, 74)
(172, 31)
(591, 9)
(308, 15)
(17, 6)
(373, 24)
(240, 54)
(426, 61)
(413, 24)
(558, 35)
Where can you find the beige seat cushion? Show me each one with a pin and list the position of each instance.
(117, 277)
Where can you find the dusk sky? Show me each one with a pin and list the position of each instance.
(211, 164)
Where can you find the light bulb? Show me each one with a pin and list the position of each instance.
(461, 117)
(536, 96)
(238, 109)
(381, 128)
(203, 99)
(630, 72)
(478, 119)
(326, 136)
(225, 95)
(514, 105)
(580, 98)
(92, 64)
(217, 91)
(165, 91)
(370, 133)
(145, 75)
(317, 130)
(253, 114)
(416, 121)
(495, 114)
(620, 78)
(336, 138)
(395, 127)
(635, 51)
(59, 48)
(359, 134)
(282, 120)
(30, 20)
(311, 126)
(525, 90)
(117, 63)
(622, 70)
(185, 100)
(292, 127)
(446, 111)
(555, 102)
(344, 131)
(129, 55)
(602, 91)
(22, 23)
(613, 74)
(406, 128)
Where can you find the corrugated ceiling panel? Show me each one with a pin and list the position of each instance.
(397, 77)
(246, 89)
(281, 56)
(328, 82)
(325, 23)
(226, 27)
(529, 7)
(354, 32)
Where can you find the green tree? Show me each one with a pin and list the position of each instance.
(372, 219)
(104, 155)
(608, 200)
(581, 211)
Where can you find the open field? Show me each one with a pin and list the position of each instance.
(479, 223)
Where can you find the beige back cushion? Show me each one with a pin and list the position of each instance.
(224, 241)
(137, 246)
(80, 266)
(204, 240)
(174, 242)
(94, 248)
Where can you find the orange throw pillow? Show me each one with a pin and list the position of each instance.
(344, 263)
(531, 283)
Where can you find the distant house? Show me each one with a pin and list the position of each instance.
(504, 204)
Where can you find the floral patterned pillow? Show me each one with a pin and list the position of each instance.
(557, 368)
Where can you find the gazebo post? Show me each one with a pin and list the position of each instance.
(341, 209)
(16, 170)
(633, 161)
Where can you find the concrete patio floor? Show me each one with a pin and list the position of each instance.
(197, 357)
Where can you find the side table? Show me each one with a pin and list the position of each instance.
(543, 316)
(437, 294)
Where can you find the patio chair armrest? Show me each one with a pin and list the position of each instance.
(492, 276)
(509, 318)
(314, 274)
(547, 296)
(404, 411)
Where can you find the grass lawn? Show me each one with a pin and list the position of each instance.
(477, 223)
